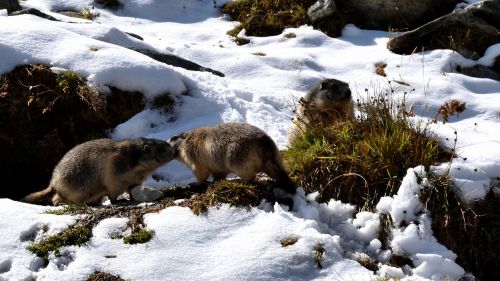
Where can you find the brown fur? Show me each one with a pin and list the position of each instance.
(102, 167)
(327, 102)
(237, 148)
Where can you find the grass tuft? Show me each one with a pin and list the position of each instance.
(74, 235)
(139, 237)
(69, 209)
(362, 160)
(267, 17)
(234, 193)
(470, 231)
(319, 252)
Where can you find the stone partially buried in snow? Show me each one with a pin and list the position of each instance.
(469, 31)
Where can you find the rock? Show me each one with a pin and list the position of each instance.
(468, 31)
(321, 10)
(175, 61)
(146, 194)
(479, 71)
(10, 5)
(35, 12)
(330, 16)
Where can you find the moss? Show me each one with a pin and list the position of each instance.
(74, 235)
(267, 17)
(234, 193)
(235, 31)
(139, 237)
(103, 276)
(69, 209)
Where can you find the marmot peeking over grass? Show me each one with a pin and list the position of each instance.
(102, 167)
(324, 104)
(237, 148)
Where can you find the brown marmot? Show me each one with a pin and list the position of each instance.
(237, 148)
(102, 167)
(324, 104)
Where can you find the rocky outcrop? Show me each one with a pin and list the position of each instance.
(468, 31)
(175, 61)
(331, 15)
(10, 5)
(43, 115)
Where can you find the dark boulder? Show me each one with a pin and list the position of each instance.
(468, 31)
(10, 5)
(331, 15)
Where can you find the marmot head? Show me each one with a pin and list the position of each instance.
(329, 93)
(148, 152)
(176, 142)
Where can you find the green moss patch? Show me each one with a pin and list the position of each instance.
(139, 237)
(74, 235)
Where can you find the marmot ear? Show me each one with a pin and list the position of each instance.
(146, 148)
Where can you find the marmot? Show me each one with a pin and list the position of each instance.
(237, 148)
(102, 167)
(327, 102)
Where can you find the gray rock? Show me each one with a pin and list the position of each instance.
(321, 10)
(10, 5)
(469, 31)
(146, 194)
(330, 16)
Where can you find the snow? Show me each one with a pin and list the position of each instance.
(240, 244)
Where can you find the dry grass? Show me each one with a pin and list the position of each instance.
(267, 17)
(231, 192)
(472, 232)
(362, 160)
(319, 252)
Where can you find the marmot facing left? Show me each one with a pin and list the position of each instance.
(102, 167)
(324, 104)
(237, 148)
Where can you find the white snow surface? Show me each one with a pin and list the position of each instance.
(231, 243)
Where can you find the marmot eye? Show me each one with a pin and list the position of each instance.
(147, 148)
